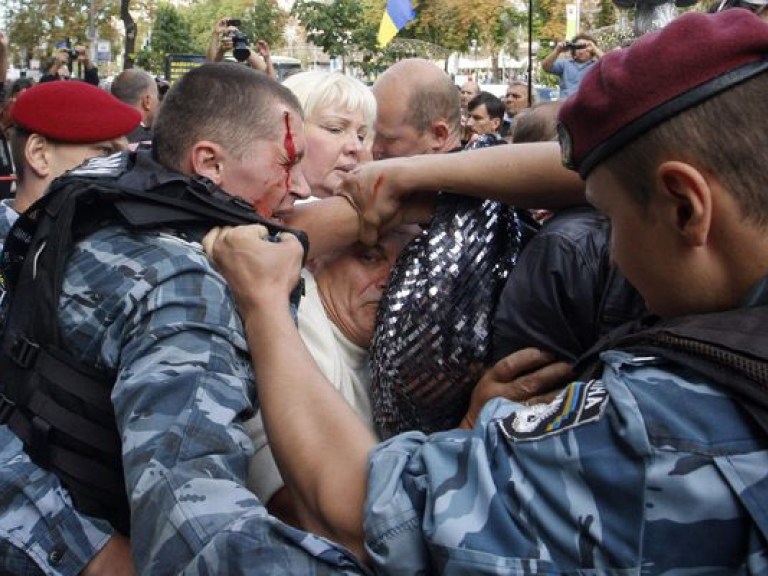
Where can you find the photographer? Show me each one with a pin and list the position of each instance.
(227, 37)
(72, 63)
(584, 53)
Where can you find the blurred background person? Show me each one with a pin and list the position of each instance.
(515, 100)
(468, 90)
(138, 89)
(485, 116)
(224, 37)
(583, 52)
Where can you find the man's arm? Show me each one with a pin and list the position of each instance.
(390, 192)
(184, 387)
(330, 224)
(39, 522)
(323, 461)
(220, 42)
(90, 71)
(549, 61)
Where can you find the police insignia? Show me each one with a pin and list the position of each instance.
(579, 403)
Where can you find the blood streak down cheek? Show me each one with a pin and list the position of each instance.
(290, 149)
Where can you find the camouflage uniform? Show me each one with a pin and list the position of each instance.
(8, 217)
(150, 306)
(647, 470)
(40, 531)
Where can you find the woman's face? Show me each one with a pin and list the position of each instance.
(335, 145)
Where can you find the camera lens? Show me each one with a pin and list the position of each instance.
(240, 48)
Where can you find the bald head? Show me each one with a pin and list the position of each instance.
(416, 96)
(137, 88)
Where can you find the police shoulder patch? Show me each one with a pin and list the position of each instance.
(579, 403)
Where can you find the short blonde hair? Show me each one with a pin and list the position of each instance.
(316, 89)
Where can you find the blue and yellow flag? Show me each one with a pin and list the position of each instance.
(397, 15)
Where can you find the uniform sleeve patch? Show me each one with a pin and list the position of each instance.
(579, 403)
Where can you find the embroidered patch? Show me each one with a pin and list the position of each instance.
(579, 403)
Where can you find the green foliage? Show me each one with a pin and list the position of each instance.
(333, 26)
(35, 26)
(203, 15)
(265, 20)
(170, 34)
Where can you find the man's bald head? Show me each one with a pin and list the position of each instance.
(417, 94)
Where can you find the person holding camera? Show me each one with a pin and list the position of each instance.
(584, 53)
(72, 63)
(227, 37)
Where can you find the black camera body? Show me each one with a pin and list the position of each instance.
(575, 45)
(240, 48)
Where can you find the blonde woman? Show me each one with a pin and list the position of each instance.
(339, 113)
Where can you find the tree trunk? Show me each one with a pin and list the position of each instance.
(130, 34)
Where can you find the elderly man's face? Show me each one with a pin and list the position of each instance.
(516, 99)
(352, 282)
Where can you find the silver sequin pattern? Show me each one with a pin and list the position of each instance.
(433, 331)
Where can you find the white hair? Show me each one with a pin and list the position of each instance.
(317, 89)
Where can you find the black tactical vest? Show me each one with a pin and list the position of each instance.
(60, 409)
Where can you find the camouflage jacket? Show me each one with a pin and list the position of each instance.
(40, 531)
(648, 469)
(150, 307)
(7, 218)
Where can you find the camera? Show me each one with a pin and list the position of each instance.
(233, 22)
(240, 48)
(575, 46)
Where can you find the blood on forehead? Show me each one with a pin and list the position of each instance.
(290, 149)
(290, 145)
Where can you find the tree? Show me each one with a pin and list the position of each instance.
(170, 35)
(334, 26)
(265, 20)
(37, 26)
(130, 33)
(202, 16)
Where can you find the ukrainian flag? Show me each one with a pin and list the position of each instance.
(397, 15)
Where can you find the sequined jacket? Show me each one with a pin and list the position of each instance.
(649, 469)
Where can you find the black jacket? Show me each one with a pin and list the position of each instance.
(564, 294)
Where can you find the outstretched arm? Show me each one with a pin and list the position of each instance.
(521, 175)
(320, 445)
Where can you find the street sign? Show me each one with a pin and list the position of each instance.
(103, 51)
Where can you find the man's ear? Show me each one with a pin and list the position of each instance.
(439, 133)
(37, 151)
(207, 160)
(688, 196)
(146, 102)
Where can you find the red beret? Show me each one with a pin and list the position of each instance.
(629, 91)
(73, 111)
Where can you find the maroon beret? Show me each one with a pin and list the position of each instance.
(73, 111)
(629, 91)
